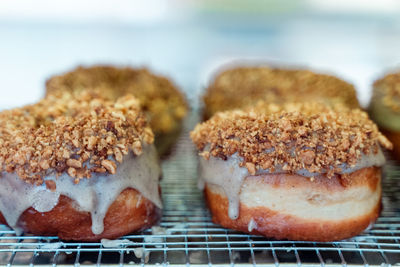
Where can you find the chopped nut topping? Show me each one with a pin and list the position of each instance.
(44, 164)
(71, 172)
(307, 156)
(51, 185)
(295, 136)
(388, 88)
(64, 131)
(118, 154)
(74, 163)
(160, 99)
(92, 141)
(109, 165)
(243, 86)
(251, 168)
(137, 148)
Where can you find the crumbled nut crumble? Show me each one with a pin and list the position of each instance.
(389, 88)
(76, 133)
(242, 86)
(160, 99)
(296, 136)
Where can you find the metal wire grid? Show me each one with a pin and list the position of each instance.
(188, 237)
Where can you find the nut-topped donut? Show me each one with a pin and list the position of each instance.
(78, 166)
(160, 99)
(242, 86)
(292, 171)
(385, 108)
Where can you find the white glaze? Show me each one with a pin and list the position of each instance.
(252, 225)
(94, 195)
(115, 243)
(230, 176)
(52, 246)
(156, 236)
(142, 253)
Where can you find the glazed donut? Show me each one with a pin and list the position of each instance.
(384, 108)
(163, 103)
(294, 171)
(243, 86)
(78, 166)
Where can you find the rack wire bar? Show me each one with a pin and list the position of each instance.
(186, 235)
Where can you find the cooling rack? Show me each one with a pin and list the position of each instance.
(186, 236)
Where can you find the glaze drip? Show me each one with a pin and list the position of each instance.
(94, 195)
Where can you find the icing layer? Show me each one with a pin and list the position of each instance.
(93, 195)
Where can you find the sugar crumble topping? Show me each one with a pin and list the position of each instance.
(389, 87)
(241, 86)
(77, 133)
(160, 99)
(295, 136)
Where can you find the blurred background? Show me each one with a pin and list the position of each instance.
(189, 40)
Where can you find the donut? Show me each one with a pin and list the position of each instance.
(239, 87)
(297, 171)
(163, 103)
(78, 166)
(384, 108)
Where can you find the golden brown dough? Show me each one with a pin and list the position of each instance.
(130, 212)
(270, 221)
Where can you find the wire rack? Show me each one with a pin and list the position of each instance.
(186, 236)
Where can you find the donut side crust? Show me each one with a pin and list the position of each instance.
(275, 224)
(128, 213)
